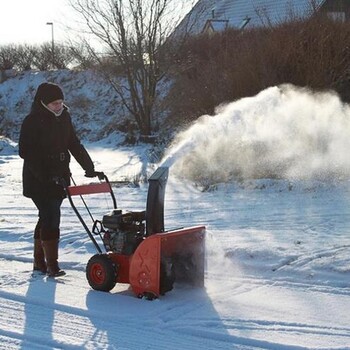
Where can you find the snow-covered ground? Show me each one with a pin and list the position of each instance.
(278, 251)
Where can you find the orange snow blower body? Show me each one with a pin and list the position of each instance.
(137, 249)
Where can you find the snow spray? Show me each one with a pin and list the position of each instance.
(283, 132)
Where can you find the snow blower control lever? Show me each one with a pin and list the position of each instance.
(137, 249)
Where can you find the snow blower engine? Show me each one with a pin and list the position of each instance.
(124, 232)
(137, 249)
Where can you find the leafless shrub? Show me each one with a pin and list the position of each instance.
(42, 59)
(229, 65)
(82, 56)
(24, 56)
(63, 56)
(7, 57)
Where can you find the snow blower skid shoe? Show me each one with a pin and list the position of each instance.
(137, 249)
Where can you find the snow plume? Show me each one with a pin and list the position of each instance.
(283, 132)
(218, 265)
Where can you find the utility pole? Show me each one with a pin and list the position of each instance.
(53, 44)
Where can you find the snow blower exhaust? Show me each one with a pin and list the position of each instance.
(137, 249)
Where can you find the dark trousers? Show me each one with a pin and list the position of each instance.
(49, 218)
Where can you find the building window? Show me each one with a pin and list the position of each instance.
(245, 21)
(337, 16)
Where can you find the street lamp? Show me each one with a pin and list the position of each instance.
(53, 43)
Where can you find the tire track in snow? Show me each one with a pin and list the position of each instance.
(256, 335)
(42, 324)
(243, 284)
(49, 324)
(79, 329)
(304, 260)
(303, 329)
(234, 286)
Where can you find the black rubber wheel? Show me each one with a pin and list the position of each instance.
(149, 296)
(101, 273)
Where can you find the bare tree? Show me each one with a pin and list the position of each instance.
(25, 56)
(63, 56)
(43, 57)
(133, 31)
(8, 57)
(82, 55)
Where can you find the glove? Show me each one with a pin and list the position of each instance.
(100, 175)
(90, 173)
(93, 173)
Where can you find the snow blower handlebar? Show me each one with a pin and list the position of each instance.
(94, 188)
(102, 187)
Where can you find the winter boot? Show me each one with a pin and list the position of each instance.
(39, 257)
(51, 255)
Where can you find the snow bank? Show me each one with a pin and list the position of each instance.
(95, 108)
(7, 147)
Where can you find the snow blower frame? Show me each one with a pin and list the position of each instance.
(137, 249)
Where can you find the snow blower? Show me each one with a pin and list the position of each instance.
(137, 249)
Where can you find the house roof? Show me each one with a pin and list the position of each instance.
(236, 12)
(216, 25)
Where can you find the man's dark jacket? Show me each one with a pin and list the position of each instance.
(45, 144)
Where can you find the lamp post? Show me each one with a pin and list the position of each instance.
(53, 43)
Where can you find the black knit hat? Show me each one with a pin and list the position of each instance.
(48, 92)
